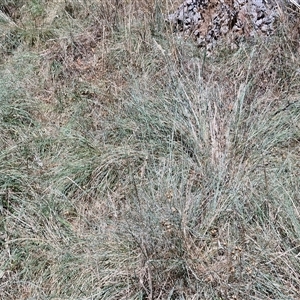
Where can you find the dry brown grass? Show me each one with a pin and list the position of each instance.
(133, 166)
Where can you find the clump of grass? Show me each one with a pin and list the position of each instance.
(136, 167)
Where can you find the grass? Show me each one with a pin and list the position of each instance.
(135, 166)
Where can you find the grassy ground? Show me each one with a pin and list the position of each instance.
(135, 166)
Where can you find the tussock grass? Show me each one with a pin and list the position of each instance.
(135, 166)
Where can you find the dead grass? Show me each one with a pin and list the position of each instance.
(133, 166)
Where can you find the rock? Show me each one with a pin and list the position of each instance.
(210, 20)
(264, 28)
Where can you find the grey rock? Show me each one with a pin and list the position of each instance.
(208, 22)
